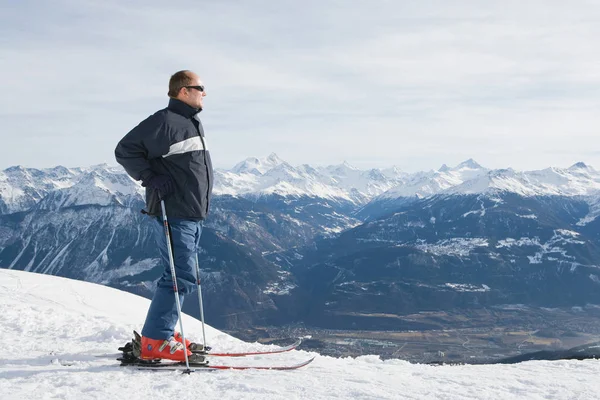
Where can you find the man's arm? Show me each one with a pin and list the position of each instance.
(146, 141)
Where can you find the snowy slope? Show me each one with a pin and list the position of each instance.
(423, 184)
(257, 166)
(272, 175)
(470, 178)
(594, 202)
(54, 188)
(22, 188)
(578, 180)
(48, 322)
(99, 187)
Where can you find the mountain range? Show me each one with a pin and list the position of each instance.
(330, 246)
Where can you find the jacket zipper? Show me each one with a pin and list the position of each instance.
(207, 171)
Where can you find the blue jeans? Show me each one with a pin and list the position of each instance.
(185, 237)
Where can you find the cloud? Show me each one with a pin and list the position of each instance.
(313, 81)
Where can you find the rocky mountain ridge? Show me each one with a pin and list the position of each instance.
(286, 243)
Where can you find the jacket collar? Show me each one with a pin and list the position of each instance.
(181, 108)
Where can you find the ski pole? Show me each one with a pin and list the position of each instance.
(176, 291)
(200, 301)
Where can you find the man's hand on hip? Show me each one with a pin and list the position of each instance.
(163, 184)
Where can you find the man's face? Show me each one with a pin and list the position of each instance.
(192, 95)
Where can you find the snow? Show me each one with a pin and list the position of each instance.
(53, 327)
(257, 166)
(466, 287)
(461, 247)
(423, 184)
(528, 216)
(566, 232)
(55, 188)
(129, 269)
(548, 182)
(272, 175)
(561, 236)
(509, 242)
(59, 187)
(594, 202)
(471, 178)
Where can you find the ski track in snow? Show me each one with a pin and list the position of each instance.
(52, 327)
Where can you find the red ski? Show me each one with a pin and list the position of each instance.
(180, 366)
(252, 353)
(130, 357)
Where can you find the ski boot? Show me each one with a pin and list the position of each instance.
(168, 349)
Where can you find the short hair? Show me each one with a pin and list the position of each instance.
(178, 80)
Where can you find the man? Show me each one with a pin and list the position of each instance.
(167, 152)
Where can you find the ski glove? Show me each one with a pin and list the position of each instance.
(163, 184)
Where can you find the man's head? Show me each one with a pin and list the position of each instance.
(187, 87)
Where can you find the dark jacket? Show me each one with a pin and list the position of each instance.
(171, 142)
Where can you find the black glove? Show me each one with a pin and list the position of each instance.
(163, 184)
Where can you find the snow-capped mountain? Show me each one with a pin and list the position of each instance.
(471, 178)
(276, 230)
(273, 176)
(257, 166)
(425, 184)
(101, 187)
(23, 188)
(578, 180)
(282, 179)
(421, 185)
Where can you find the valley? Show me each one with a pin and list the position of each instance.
(471, 337)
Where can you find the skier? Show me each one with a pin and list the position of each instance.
(167, 152)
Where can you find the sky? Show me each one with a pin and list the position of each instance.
(414, 84)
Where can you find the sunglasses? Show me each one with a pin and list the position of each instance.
(198, 88)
